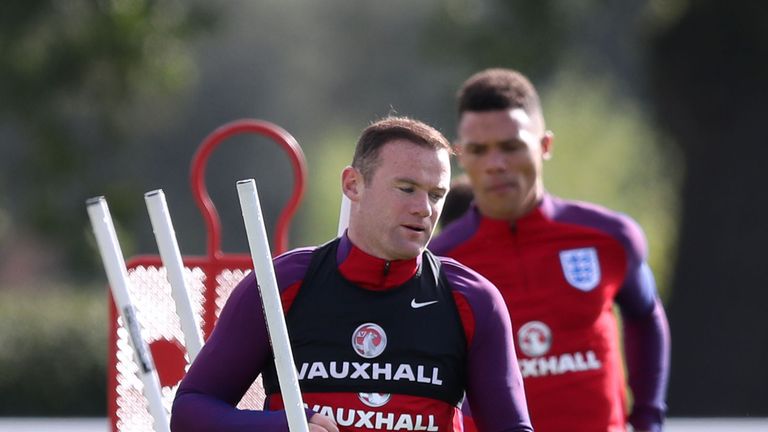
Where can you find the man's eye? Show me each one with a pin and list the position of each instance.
(406, 189)
(511, 147)
(435, 197)
(476, 150)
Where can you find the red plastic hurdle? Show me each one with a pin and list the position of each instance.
(210, 279)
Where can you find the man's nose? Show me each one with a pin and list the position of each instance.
(421, 205)
(495, 161)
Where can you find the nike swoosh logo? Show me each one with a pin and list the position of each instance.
(416, 305)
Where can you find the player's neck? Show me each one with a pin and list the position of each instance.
(513, 213)
(372, 272)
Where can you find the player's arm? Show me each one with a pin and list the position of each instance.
(231, 359)
(494, 383)
(229, 362)
(647, 344)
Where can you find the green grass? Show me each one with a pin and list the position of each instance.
(53, 352)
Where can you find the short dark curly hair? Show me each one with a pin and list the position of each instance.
(389, 129)
(498, 89)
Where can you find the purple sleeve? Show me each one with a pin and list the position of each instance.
(494, 385)
(647, 349)
(231, 359)
(646, 339)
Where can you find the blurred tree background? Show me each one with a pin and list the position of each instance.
(654, 105)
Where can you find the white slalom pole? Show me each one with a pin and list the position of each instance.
(174, 268)
(273, 310)
(344, 215)
(114, 264)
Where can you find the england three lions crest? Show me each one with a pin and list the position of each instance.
(581, 268)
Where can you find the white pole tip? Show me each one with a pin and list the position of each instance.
(94, 200)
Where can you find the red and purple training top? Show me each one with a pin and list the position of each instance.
(378, 345)
(560, 270)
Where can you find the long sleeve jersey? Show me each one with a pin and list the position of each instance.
(560, 269)
(368, 368)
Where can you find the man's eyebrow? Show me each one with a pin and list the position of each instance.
(406, 180)
(413, 182)
(515, 140)
(486, 143)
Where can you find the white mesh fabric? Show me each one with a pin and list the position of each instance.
(156, 312)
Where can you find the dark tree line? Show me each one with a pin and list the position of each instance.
(710, 76)
(68, 72)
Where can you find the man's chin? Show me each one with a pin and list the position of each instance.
(500, 207)
(409, 251)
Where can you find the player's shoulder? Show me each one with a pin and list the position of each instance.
(454, 269)
(479, 291)
(587, 213)
(291, 266)
(616, 224)
(298, 254)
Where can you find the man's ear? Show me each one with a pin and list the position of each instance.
(458, 151)
(547, 145)
(352, 183)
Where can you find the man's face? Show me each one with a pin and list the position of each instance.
(502, 153)
(393, 215)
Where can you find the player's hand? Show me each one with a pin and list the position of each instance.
(321, 423)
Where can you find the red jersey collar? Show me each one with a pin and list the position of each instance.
(370, 272)
(542, 212)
